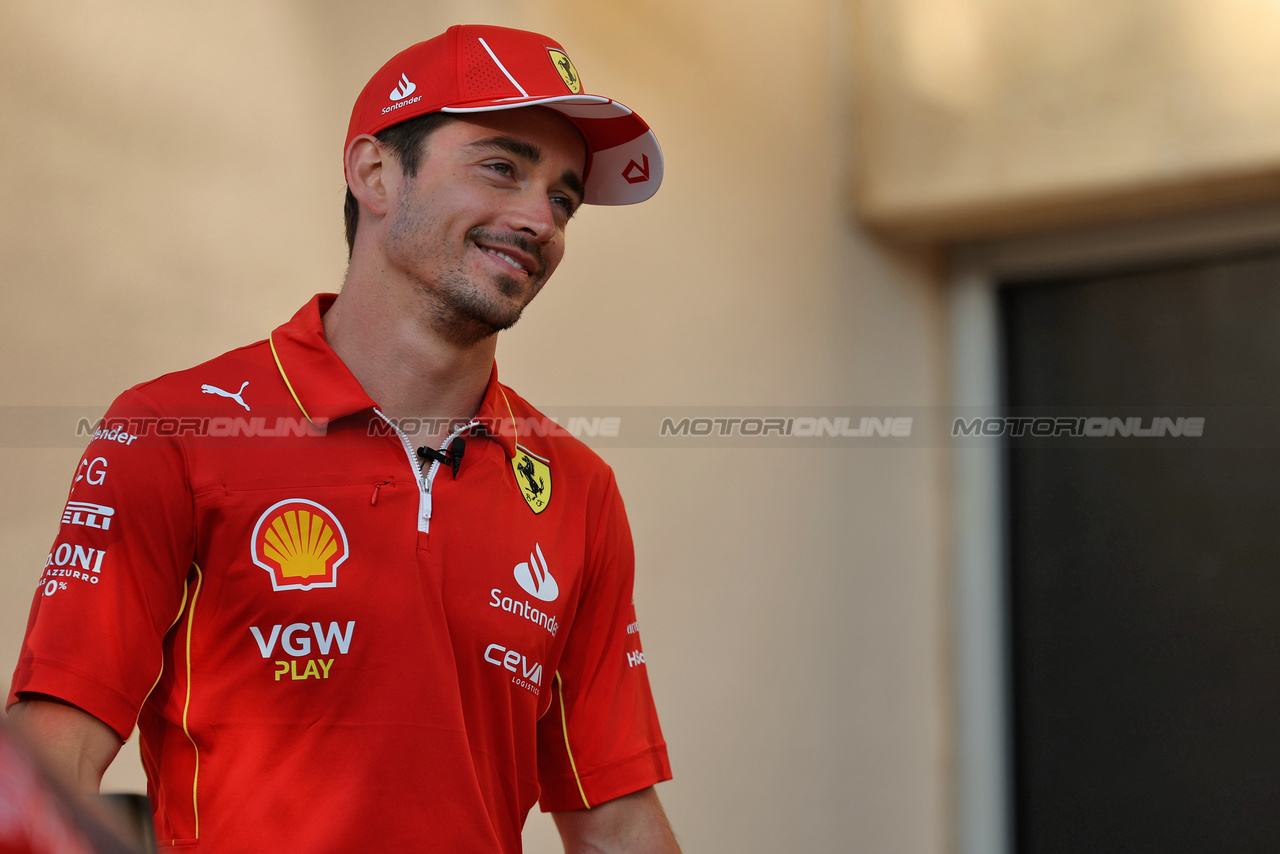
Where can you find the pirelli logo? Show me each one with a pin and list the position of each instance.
(88, 515)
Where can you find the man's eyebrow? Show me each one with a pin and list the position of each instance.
(528, 151)
(518, 147)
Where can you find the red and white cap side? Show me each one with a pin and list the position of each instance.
(472, 69)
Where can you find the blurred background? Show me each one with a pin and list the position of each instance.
(887, 208)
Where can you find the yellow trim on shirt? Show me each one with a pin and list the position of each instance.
(564, 724)
(195, 779)
(514, 434)
(285, 377)
(181, 607)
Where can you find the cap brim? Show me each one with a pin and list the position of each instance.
(593, 106)
(625, 161)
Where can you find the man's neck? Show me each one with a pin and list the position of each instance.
(410, 372)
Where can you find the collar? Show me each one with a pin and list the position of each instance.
(324, 388)
(321, 384)
(497, 420)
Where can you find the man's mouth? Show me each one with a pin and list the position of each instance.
(520, 255)
(505, 257)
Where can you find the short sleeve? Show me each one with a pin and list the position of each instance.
(600, 738)
(113, 582)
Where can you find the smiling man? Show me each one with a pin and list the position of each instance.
(356, 594)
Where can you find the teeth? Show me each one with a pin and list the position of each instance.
(505, 257)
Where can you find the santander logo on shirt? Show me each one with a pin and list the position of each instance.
(535, 578)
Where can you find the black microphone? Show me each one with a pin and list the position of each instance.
(451, 457)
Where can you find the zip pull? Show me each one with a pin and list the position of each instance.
(373, 502)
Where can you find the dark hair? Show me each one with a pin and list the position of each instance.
(407, 141)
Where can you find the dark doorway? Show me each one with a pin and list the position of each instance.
(1144, 574)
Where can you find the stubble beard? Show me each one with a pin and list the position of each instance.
(455, 307)
(463, 314)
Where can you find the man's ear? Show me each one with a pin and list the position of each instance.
(367, 165)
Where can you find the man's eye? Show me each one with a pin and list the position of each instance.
(566, 203)
(504, 168)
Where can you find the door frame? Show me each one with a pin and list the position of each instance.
(983, 784)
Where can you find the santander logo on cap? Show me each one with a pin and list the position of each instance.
(403, 89)
(474, 68)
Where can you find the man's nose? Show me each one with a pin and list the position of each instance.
(534, 214)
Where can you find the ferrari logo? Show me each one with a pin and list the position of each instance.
(568, 73)
(533, 475)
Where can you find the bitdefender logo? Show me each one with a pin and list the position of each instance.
(536, 578)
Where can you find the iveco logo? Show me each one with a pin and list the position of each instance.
(535, 578)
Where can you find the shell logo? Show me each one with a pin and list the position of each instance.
(300, 544)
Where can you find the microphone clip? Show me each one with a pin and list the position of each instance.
(451, 458)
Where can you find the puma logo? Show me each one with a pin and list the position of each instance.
(213, 389)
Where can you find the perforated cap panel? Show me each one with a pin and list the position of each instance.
(481, 78)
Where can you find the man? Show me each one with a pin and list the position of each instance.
(356, 594)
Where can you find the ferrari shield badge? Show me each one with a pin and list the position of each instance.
(533, 475)
(568, 73)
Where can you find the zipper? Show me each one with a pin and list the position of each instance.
(424, 479)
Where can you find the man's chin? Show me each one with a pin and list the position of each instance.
(465, 311)
(474, 321)
(509, 287)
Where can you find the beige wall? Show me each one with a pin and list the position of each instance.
(994, 117)
(172, 184)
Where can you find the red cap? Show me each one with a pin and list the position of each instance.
(471, 69)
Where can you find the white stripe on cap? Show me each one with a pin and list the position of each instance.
(501, 67)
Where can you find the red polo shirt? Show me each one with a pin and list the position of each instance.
(326, 648)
